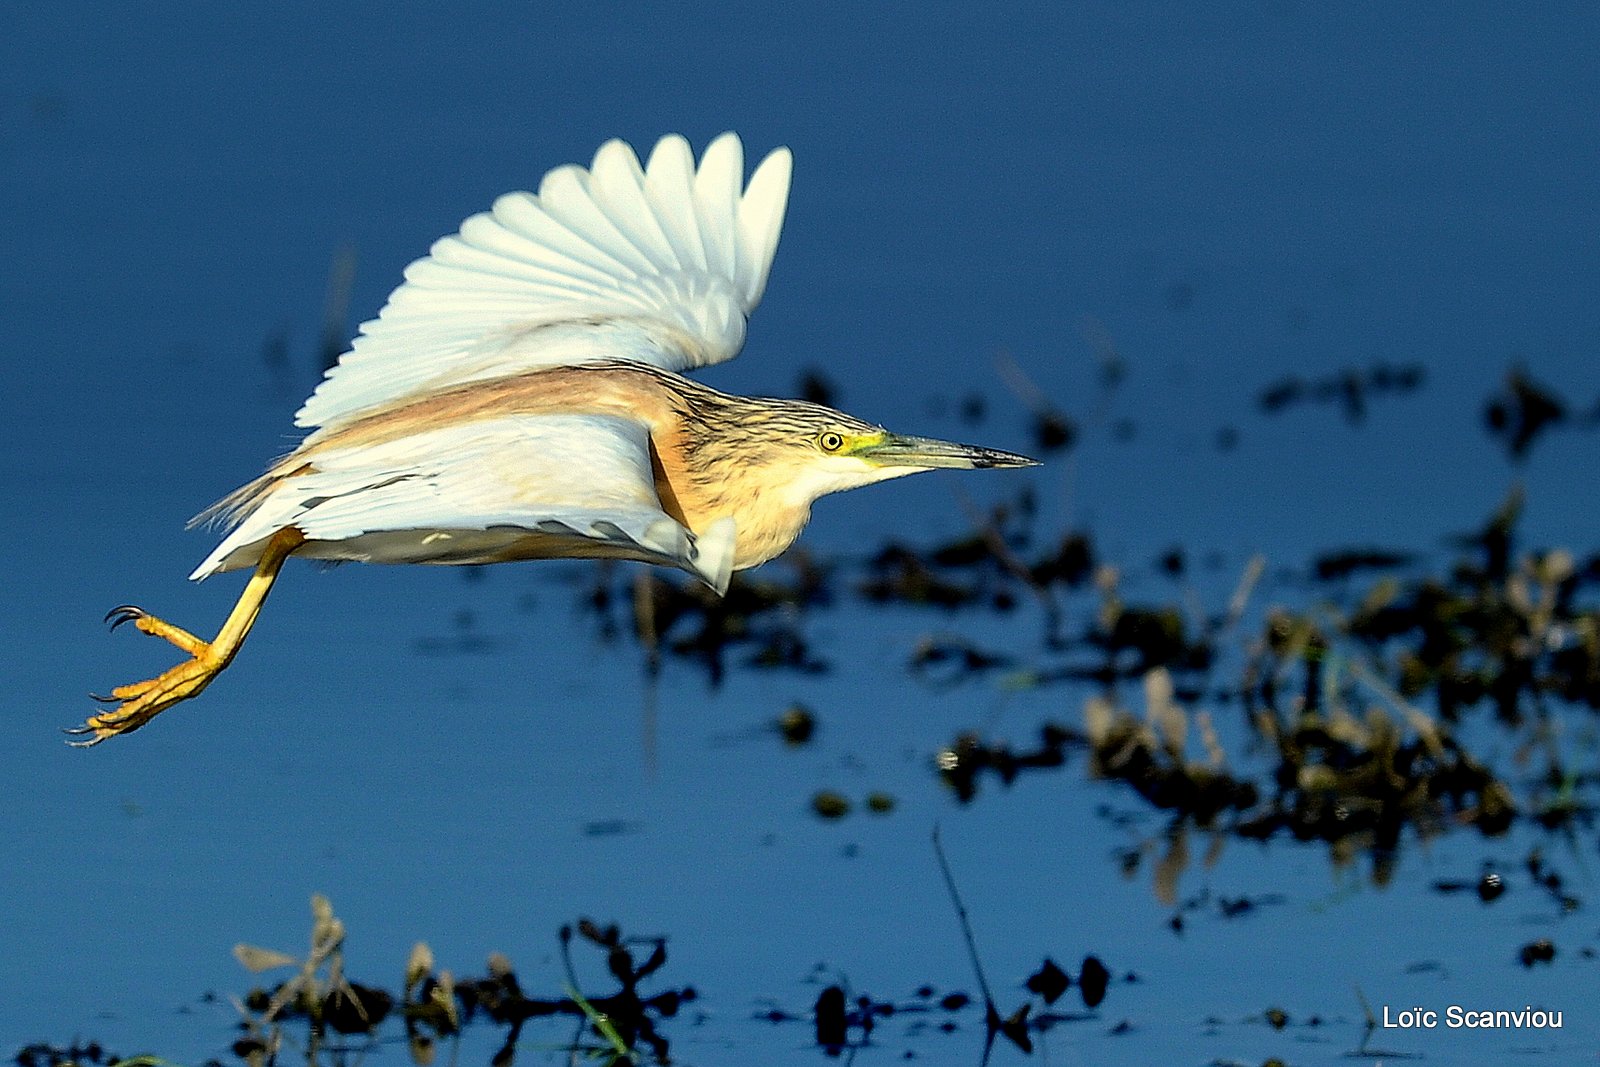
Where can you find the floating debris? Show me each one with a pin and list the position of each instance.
(43, 1055)
(1351, 389)
(1551, 882)
(1522, 412)
(432, 1004)
(1092, 981)
(1150, 754)
(689, 622)
(797, 725)
(1490, 887)
(827, 804)
(833, 1024)
(962, 762)
(1049, 981)
(948, 661)
(1343, 563)
(1540, 951)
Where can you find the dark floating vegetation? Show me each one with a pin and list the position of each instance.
(1346, 709)
(319, 1015)
(844, 1022)
(1356, 703)
(319, 1010)
(79, 1052)
(1351, 389)
(1364, 700)
(687, 621)
(1524, 410)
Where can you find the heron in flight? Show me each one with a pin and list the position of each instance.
(520, 396)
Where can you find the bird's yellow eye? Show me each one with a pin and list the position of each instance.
(830, 442)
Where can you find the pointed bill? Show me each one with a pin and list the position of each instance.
(898, 450)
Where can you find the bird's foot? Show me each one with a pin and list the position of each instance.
(138, 703)
(156, 628)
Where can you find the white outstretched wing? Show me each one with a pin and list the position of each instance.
(480, 492)
(671, 258)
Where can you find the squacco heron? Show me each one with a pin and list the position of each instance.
(520, 397)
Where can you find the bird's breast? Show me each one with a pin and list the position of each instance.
(766, 534)
(765, 523)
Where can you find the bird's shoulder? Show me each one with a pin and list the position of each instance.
(618, 388)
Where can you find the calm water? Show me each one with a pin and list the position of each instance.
(1229, 196)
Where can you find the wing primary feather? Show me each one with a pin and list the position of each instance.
(669, 183)
(716, 201)
(564, 195)
(525, 215)
(487, 232)
(760, 222)
(679, 252)
(617, 188)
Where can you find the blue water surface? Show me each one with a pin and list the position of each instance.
(1225, 194)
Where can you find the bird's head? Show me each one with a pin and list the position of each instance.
(801, 451)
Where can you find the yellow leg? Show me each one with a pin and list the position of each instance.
(140, 702)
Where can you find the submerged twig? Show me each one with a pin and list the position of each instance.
(966, 929)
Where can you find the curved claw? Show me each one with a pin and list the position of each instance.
(124, 613)
(82, 731)
(104, 700)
